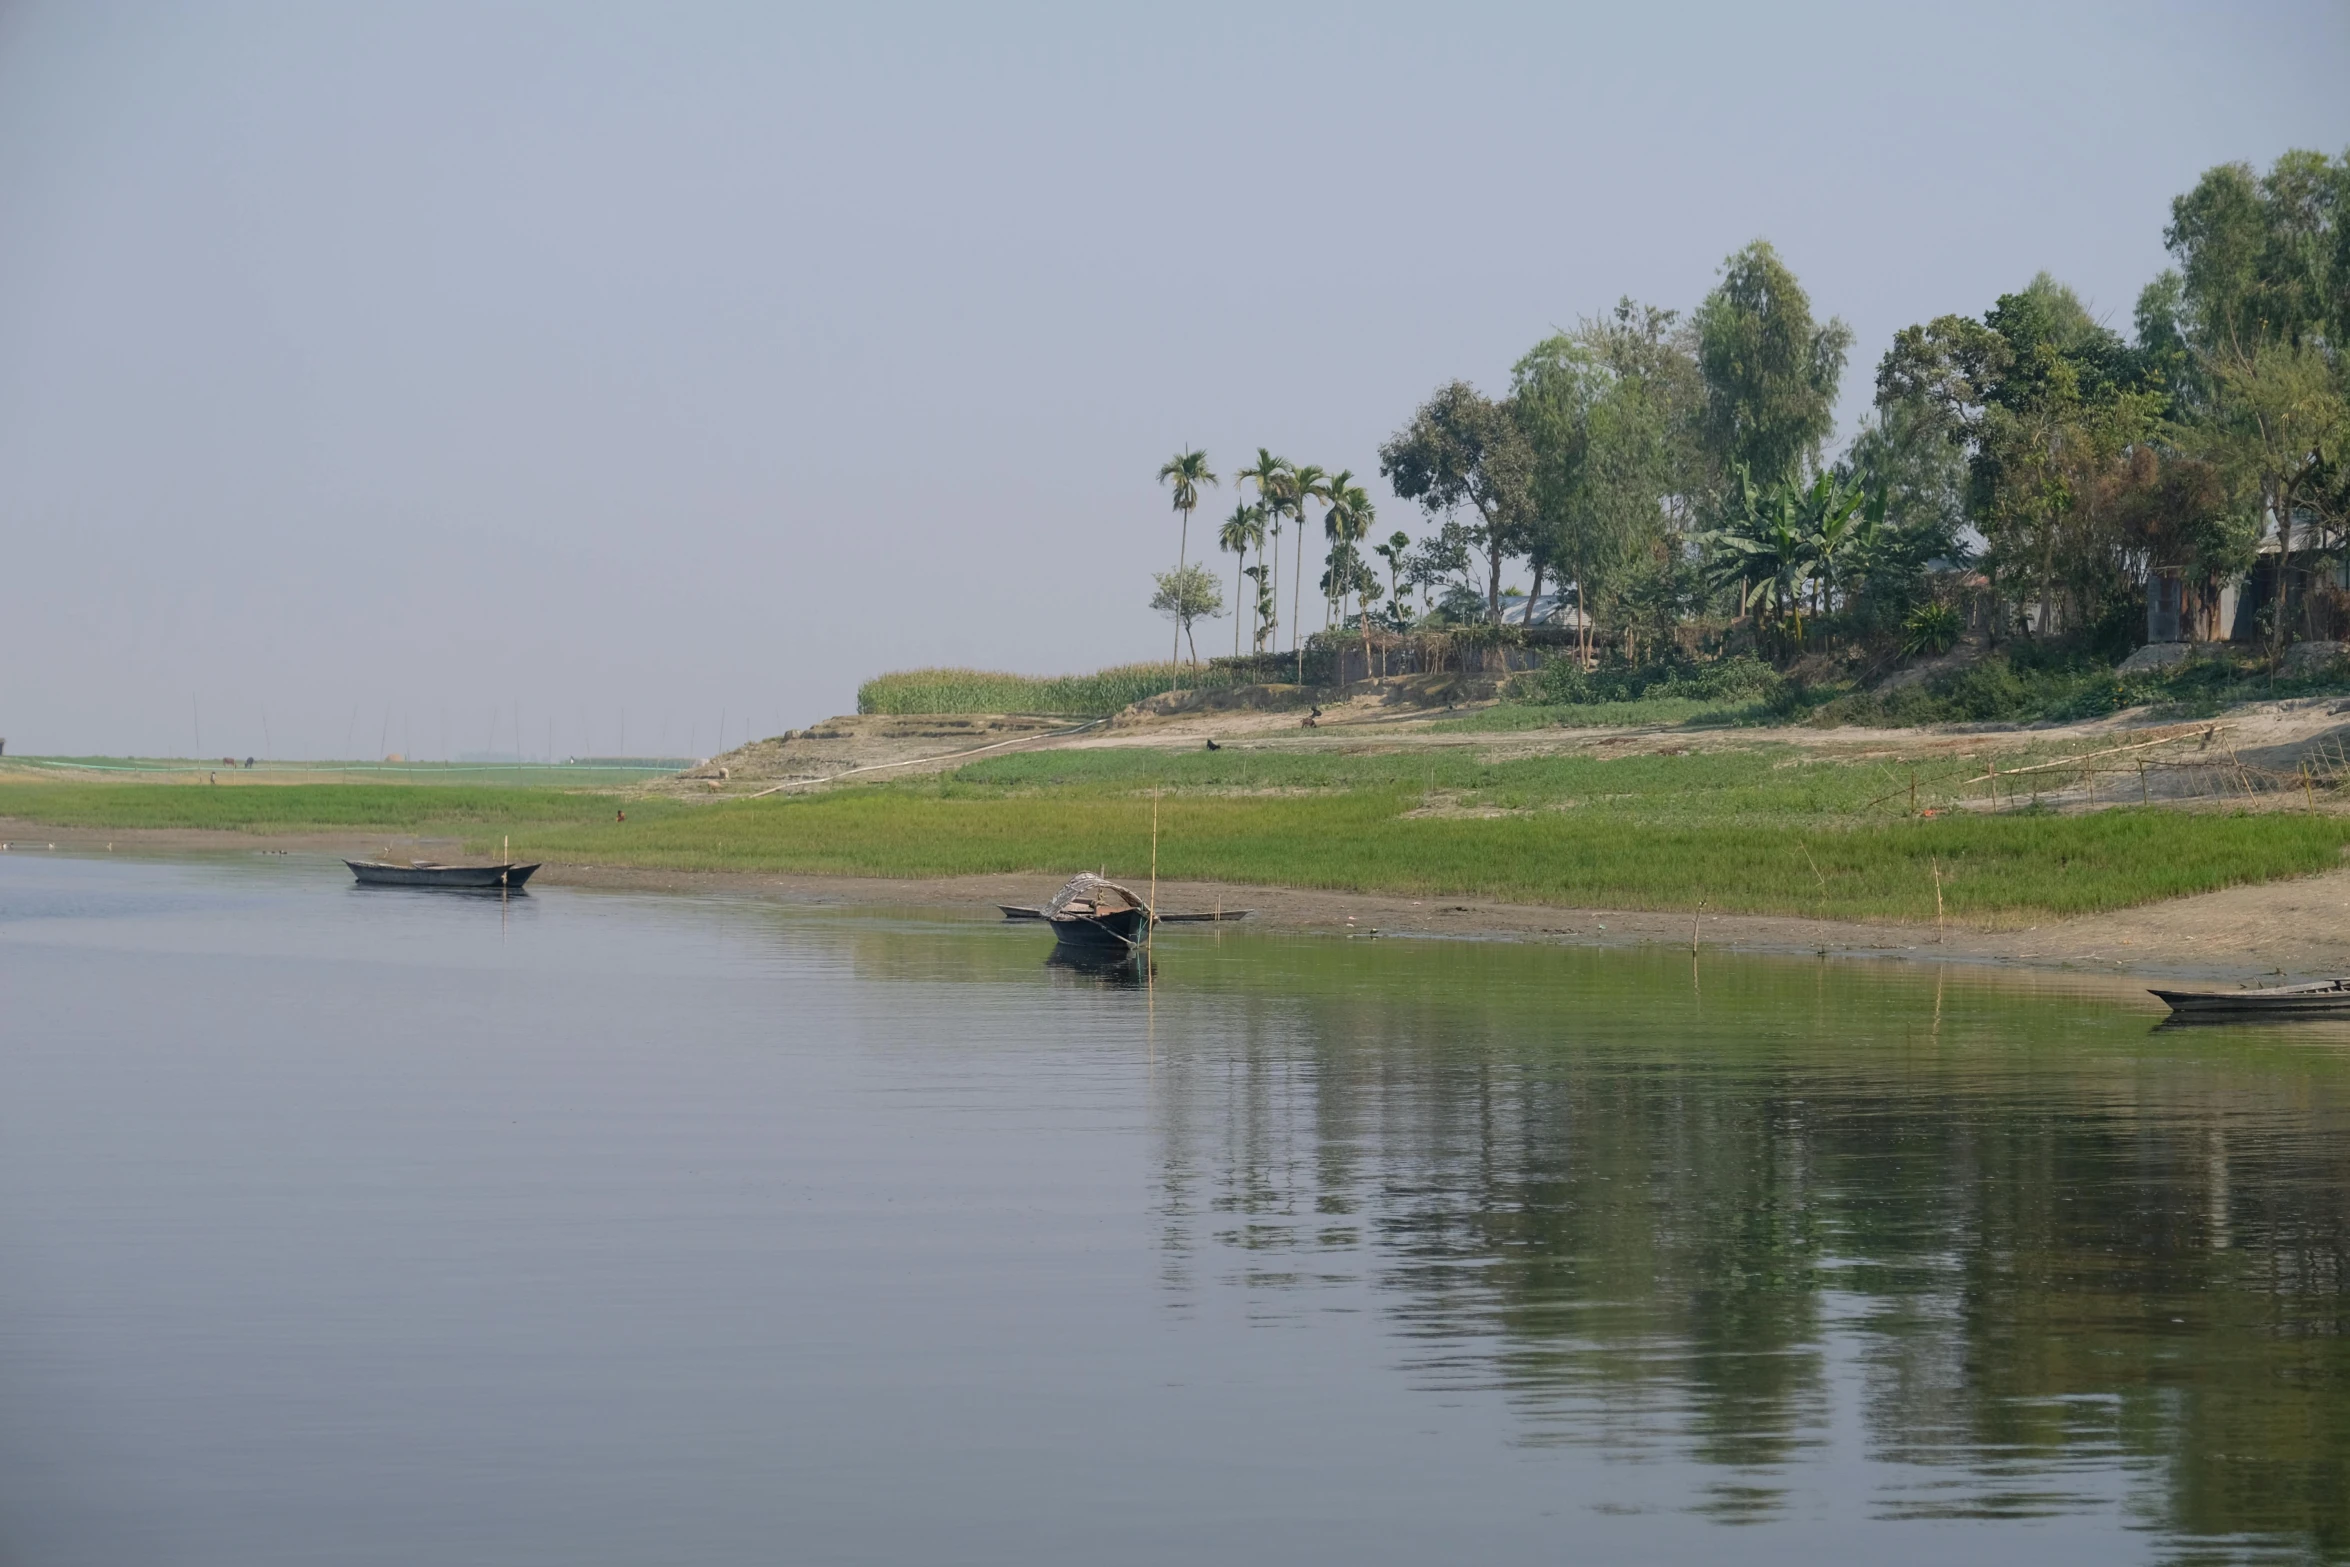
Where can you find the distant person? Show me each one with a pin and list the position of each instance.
(620, 816)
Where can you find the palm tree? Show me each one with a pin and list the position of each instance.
(1348, 523)
(1267, 474)
(1244, 528)
(1186, 471)
(1341, 494)
(1304, 482)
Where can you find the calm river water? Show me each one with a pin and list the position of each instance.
(388, 1227)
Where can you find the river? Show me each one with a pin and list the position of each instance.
(343, 1226)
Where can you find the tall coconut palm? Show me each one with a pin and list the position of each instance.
(1267, 473)
(1244, 529)
(1304, 482)
(1186, 472)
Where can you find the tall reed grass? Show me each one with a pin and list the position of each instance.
(993, 691)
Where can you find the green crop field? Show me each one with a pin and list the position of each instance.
(1757, 829)
(988, 691)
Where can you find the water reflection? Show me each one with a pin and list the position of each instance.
(2030, 1247)
(1131, 968)
(652, 1229)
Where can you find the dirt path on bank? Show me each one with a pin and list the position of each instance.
(2291, 929)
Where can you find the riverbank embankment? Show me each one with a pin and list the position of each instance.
(2296, 928)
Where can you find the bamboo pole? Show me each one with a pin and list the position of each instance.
(1936, 862)
(2075, 761)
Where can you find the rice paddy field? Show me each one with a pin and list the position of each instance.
(1763, 829)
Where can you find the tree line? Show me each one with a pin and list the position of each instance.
(2026, 469)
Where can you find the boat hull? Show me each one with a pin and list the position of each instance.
(1022, 911)
(2330, 1000)
(1115, 930)
(379, 873)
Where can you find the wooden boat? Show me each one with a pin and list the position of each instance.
(1091, 913)
(423, 873)
(2322, 998)
(1022, 911)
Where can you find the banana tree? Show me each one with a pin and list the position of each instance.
(1832, 519)
(1765, 550)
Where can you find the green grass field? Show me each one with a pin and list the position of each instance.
(506, 775)
(1096, 695)
(1692, 712)
(1760, 829)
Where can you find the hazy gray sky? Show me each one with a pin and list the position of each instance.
(368, 369)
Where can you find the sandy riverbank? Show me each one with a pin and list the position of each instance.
(2295, 929)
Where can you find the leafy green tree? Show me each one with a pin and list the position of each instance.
(2249, 331)
(1904, 458)
(2281, 430)
(1609, 413)
(1185, 472)
(1770, 371)
(2262, 257)
(2049, 405)
(1443, 559)
(1395, 552)
(1243, 531)
(1185, 595)
(1463, 449)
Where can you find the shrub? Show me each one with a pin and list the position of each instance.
(1565, 683)
(1931, 629)
(2029, 682)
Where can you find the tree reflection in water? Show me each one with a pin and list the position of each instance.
(2052, 1255)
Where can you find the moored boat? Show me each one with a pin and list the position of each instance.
(1096, 914)
(1024, 911)
(2321, 998)
(423, 873)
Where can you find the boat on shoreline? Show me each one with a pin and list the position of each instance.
(2320, 998)
(1025, 911)
(1093, 914)
(423, 873)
